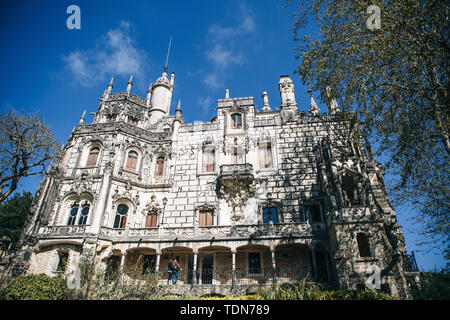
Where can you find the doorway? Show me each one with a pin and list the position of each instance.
(207, 268)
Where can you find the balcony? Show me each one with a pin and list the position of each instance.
(227, 232)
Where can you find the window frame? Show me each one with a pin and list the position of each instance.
(158, 166)
(263, 155)
(89, 161)
(236, 124)
(208, 153)
(122, 221)
(269, 220)
(129, 163)
(363, 245)
(202, 212)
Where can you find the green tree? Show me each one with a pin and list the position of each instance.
(27, 147)
(395, 78)
(13, 215)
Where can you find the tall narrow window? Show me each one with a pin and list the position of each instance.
(121, 216)
(205, 217)
(62, 263)
(254, 262)
(84, 215)
(159, 168)
(363, 245)
(152, 219)
(132, 159)
(265, 156)
(92, 157)
(236, 120)
(208, 160)
(238, 155)
(72, 215)
(270, 214)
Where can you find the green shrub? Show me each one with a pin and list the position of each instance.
(36, 287)
(432, 286)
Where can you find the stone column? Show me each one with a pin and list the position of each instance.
(194, 268)
(233, 266)
(274, 266)
(314, 266)
(102, 199)
(158, 260)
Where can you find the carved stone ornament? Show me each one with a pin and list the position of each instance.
(112, 109)
(152, 206)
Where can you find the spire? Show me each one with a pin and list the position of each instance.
(266, 106)
(331, 102)
(313, 109)
(149, 94)
(82, 117)
(130, 84)
(168, 52)
(108, 90)
(227, 94)
(178, 113)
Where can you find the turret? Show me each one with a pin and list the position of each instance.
(286, 87)
(161, 91)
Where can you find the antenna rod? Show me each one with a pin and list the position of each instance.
(168, 52)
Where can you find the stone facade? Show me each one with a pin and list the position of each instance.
(248, 197)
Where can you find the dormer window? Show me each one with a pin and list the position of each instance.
(236, 120)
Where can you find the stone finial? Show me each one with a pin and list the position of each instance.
(313, 109)
(149, 94)
(178, 110)
(227, 94)
(130, 84)
(108, 90)
(331, 102)
(172, 79)
(82, 117)
(266, 106)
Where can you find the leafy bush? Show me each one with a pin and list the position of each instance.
(432, 286)
(306, 290)
(36, 287)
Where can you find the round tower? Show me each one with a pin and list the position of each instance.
(161, 92)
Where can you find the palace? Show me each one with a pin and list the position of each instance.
(250, 197)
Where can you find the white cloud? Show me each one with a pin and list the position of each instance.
(205, 103)
(115, 54)
(211, 81)
(224, 55)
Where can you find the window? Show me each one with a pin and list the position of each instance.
(84, 215)
(254, 262)
(121, 216)
(159, 168)
(132, 159)
(208, 160)
(270, 214)
(265, 155)
(238, 155)
(363, 245)
(236, 120)
(205, 217)
(112, 267)
(152, 219)
(72, 215)
(312, 213)
(92, 157)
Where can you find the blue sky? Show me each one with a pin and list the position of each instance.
(241, 45)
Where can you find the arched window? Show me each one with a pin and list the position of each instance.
(92, 157)
(72, 215)
(121, 216)
(265, 155)
(159, 168)
(84, 215)
(132, 159)
(236, 120)
(363, 245)
(152, 219)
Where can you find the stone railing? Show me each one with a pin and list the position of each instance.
(244, 168)
(301, 229)
(59, 231)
